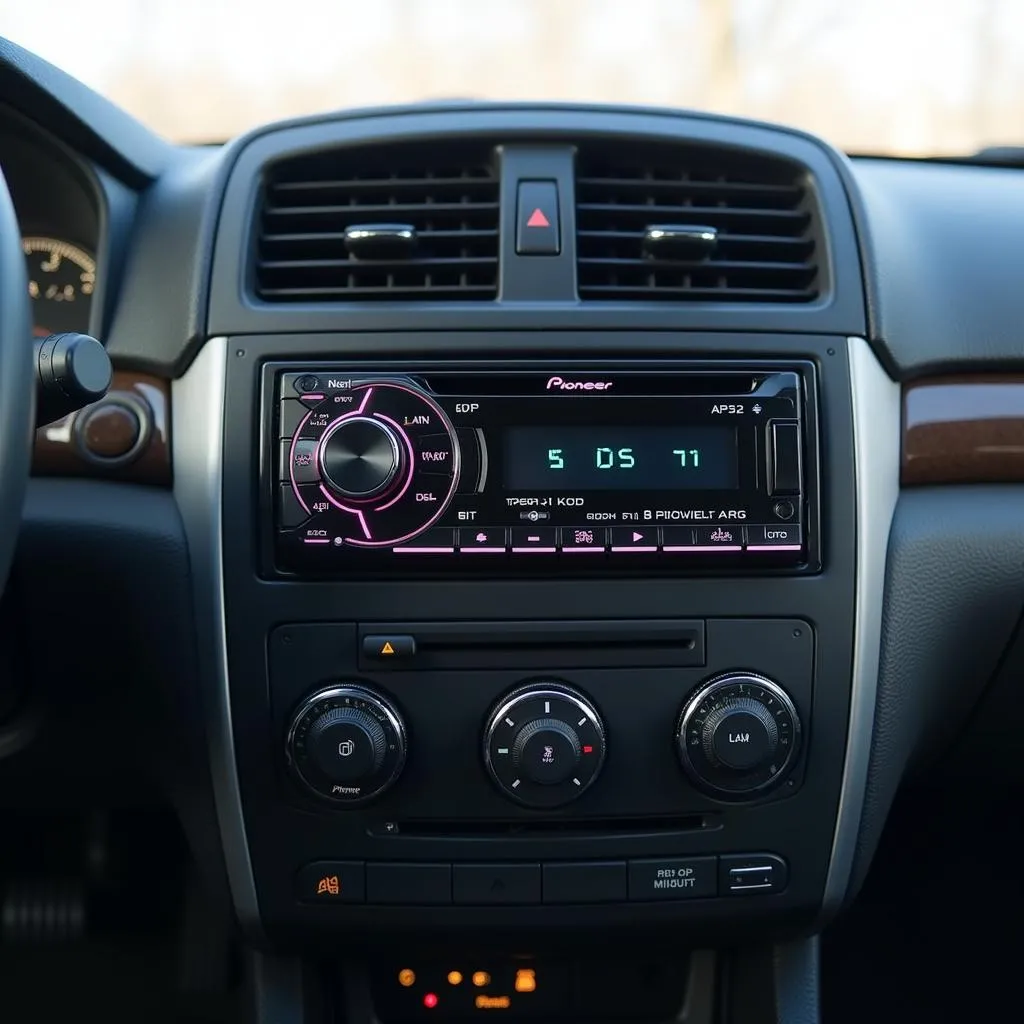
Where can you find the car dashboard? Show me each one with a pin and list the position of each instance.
(512, 528)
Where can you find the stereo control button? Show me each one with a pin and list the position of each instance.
(540, 539)
(785, 461)
(298, 461)
(774, 538)
(293, 412)
(637, 538)
(289, 510)
(677, 538)
(584, 538)
(434, 454)
(714, 538)
(487, 540)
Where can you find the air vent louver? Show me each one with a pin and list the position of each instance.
(755, 216)
(435, 208)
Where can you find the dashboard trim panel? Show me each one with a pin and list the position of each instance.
(198, 447)
(967, 429)
(876, 425)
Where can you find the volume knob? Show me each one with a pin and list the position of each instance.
(346, 744)
(360, 457)
(738, 735)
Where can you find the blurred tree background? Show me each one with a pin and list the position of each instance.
(872, 76)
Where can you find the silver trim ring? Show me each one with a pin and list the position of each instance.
(357, 692)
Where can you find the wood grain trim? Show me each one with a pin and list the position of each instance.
(963, 430)
(58, 450)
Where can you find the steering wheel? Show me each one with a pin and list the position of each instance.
(17, 381)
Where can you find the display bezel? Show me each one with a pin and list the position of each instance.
(444, 381)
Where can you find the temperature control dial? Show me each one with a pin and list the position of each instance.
(738, 735)
(371, 464)
(544, 744)
(346, 744)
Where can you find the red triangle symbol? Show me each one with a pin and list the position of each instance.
(538, 220)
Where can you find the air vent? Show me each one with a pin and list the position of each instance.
(392, 223)
(694, 224)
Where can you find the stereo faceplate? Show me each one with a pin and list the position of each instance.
(450, 468)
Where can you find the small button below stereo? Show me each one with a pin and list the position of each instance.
(393, 647)
(483, 540)
(675, 879)
(584, 538)
(331, 881)
(718, 538)
(534, 539)
(754, 873)
(484, 884)
(634, 538)
(774, 538)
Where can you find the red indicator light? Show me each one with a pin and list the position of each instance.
(588, 750)
(430, 1000)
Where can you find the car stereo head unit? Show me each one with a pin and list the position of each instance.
(674, 468)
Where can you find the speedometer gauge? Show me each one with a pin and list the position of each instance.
(61, 280)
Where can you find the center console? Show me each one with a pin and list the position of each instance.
(526, 647)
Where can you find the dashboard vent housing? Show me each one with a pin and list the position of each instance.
(755, 217)
(433, 210)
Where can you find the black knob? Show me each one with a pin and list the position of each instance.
(544, 744)
(347, 744)
(72, 371)
(740, 734)
(547, 751)
(360, 457)
(737, 735)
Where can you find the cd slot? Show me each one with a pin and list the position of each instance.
(633, 828)
(598, 643)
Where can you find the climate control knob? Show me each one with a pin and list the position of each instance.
(346, 744)
(360, 457)
(544, 744)
(738, 735)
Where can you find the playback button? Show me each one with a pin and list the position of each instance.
(584, 538)
(483, 540)
(634, 538)
(539, 539)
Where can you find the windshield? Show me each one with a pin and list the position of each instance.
(911, 77)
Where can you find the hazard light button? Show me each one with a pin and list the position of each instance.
(390, 647)
(537, 226)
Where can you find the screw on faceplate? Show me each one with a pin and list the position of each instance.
(240, 352)
(797, 633)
